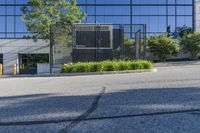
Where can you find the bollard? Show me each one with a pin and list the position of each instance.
(1, 70)
(15, 70)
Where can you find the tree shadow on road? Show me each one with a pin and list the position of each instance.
(55, 107)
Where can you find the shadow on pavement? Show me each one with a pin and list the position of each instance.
(50, 108)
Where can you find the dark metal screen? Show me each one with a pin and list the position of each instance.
(96, 42)
(92, 42)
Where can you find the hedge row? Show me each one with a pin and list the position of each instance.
(106, 66)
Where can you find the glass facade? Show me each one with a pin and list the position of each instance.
(11, 24)
(156, 14)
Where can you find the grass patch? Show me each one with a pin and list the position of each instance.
(106, 66)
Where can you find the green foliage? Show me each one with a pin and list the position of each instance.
(106, 66)
(191, 43)
(121, 66)
(129, 47)
(163, 46)
(40, 15)
(180, 32)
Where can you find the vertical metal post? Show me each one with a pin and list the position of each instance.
(122, 43)
(131, 19)
(145, 41)
(96, 42)
(74, 49)
(51, 50)
(138, 44)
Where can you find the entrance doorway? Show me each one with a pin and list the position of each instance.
(28, 62)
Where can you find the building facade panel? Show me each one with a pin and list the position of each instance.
(156, 14)
(11, 48)
(197, 15)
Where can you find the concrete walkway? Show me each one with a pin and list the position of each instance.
(179, 63)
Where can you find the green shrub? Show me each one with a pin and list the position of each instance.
(120, 66)
(91, 67)
(106, 66)
(146, 65)
(191, 44)
(67, 68)
(79, 67)
(163, 46)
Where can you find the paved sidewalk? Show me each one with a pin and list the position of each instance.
(178, 63)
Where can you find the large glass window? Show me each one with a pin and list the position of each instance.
(149, 1)
(112, 10)
(2, 21)
(149, 10)
(156, 14)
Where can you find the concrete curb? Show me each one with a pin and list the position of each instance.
(79, 74)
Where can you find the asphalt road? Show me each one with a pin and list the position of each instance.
(167, 101)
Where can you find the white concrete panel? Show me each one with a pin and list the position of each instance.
(10, 48)
(197, 15)
(8, 62)
(43, 68)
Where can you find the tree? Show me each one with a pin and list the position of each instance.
(182, 31)
(191, 43)
(42, 14)
(163, 46)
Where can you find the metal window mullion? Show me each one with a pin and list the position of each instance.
(15, 19)
(175, 14)
(167, 15)
(95, 11)
(6, 21)
(131, 19)
(86, 7)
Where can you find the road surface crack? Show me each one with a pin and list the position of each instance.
(92, 108)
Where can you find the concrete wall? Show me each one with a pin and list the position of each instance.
(43, 68)
(197, 15)
(10, 48)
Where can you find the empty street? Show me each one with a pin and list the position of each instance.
(167, 101)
